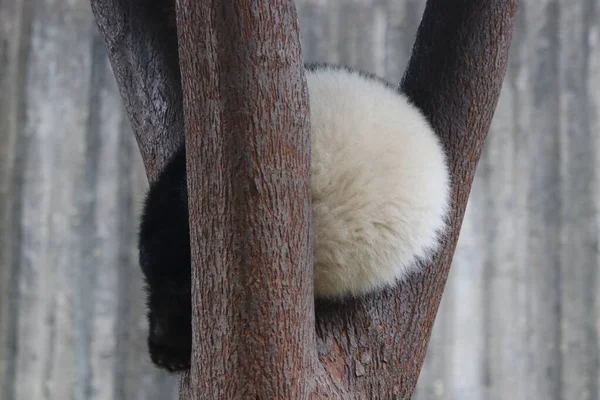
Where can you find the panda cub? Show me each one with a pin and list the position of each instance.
(380, 195)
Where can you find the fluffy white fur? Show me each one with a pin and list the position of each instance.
(380, 183)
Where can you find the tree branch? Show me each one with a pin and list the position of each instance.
(248, 157)
(375, 347)
(249, 191)
(141, 42)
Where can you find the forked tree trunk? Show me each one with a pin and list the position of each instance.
(255, 331)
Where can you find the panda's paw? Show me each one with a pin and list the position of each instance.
(170, 339)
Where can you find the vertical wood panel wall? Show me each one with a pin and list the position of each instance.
(520, 318)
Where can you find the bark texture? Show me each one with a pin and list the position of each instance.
(141, 42)
(249, 189)
(246, 117)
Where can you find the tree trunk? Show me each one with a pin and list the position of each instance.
(248, 179)
(254, 324)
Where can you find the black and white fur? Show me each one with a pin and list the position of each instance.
(380, 195)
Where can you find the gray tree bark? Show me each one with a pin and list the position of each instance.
(141, 40)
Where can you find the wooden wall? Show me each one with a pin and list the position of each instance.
(520, 318)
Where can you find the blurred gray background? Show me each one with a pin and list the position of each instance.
(520, 317)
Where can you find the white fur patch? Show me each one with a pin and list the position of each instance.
(380, 183)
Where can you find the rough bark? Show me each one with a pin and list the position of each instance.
(254, 325)
(248, 162)
(141, 42)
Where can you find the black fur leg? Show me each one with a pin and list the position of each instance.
(170, 334)
(164, 247)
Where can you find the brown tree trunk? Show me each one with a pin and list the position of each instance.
(254, 324)
(248, 163)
